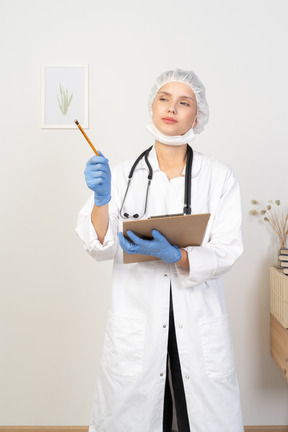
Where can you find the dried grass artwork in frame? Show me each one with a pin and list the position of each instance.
(64, 96)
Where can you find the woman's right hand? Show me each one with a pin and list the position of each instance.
(98, 179)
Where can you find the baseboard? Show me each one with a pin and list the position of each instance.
(43, 428)
(85, 428)
(266, 428)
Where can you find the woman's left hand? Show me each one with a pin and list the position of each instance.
(158, 247)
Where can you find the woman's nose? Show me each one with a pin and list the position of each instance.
(172, 108)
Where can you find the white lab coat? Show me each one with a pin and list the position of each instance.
(131, 379)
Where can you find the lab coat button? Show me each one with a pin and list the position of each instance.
(165, 275)
(187, 377)
(175, 274)
(164, 326)
(180, 326)
(161, 374)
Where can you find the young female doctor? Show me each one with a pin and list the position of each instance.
(168, 328)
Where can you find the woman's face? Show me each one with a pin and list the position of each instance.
(174, 109)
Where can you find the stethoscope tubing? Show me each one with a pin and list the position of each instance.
(187, 193)
(188, 182)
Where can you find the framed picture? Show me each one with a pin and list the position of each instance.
(64, 96)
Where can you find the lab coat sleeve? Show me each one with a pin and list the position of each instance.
(88, 235)
(224, 244)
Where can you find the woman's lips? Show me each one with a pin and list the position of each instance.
(169, 120)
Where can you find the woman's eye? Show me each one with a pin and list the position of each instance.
(184, 103)
(162, 99)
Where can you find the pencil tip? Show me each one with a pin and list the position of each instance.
(76, 121)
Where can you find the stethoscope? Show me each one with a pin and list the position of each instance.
(187, 191)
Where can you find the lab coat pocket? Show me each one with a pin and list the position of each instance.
(123, 345)
(217, 347)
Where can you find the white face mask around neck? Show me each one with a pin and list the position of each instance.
(175, 140)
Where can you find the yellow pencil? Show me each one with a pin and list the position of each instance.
(88, 140)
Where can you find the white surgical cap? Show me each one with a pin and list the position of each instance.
(191, 79)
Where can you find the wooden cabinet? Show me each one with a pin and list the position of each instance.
(279, 318)
(279, 345)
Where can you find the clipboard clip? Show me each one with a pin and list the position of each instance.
(167, 215)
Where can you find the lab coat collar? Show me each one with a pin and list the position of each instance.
(155, 164)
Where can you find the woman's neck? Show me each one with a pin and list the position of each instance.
(171, 159)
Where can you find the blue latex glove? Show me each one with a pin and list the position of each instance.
(98, 179)
(158, 247)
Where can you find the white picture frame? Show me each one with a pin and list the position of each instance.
(64, 96)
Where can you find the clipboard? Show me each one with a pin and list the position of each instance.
(180, 230)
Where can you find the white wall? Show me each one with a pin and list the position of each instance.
(53, 296)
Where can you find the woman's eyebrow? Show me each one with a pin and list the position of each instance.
(185, 97)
